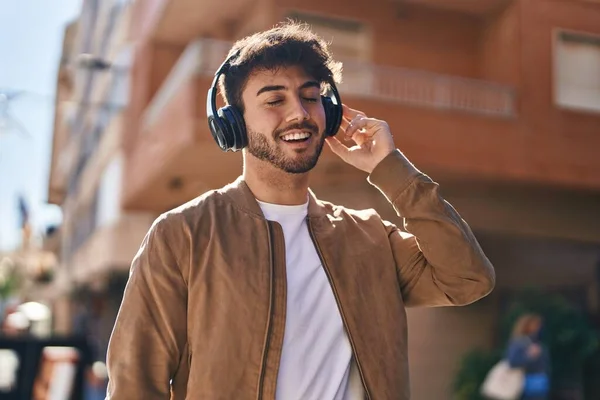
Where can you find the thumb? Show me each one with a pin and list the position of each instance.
(338, 147)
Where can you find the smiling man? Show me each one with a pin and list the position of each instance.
(260, 290)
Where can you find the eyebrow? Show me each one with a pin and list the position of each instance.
(271, 88)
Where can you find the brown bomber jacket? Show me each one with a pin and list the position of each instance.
(203, 312)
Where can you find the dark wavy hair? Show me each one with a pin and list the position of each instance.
(288, 44)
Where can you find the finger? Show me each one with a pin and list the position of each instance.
(343, 128)
(351, 113)
(338, 147)
(351, 125)
(352, 110)
(344, 124)
(360, 125)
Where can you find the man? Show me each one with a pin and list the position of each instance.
(261, 291)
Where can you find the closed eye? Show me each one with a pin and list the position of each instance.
(279, 101)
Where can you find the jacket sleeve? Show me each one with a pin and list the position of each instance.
(516, 354)
(438, 259)
(149, 339)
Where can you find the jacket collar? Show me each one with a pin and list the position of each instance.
(243, 197)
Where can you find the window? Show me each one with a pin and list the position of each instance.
(577, 71)
(108, 209)
(119, 92)
(348, 40)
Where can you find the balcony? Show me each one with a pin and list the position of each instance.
(423, 89)
(174, 157)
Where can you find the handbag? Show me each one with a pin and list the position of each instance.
(503, 382)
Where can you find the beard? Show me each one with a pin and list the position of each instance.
(260, 147)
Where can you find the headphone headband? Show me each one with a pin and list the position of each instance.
(211, 101)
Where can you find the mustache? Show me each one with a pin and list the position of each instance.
(304, 126)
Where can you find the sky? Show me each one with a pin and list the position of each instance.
(31, 34)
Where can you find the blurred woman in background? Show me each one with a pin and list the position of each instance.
(526, 351)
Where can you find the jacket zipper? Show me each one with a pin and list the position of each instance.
(337, 299)
(270, 318)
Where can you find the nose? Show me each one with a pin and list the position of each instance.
(297, 111)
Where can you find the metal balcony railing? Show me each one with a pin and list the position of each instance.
(363, 80)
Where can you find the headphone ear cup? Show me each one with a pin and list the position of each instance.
(226, 120)
(218, 128)
(238, 128)
(234, 131)
(333, 116)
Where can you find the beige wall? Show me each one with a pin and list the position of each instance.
(500, 46)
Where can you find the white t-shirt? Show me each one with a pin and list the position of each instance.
(316, 361)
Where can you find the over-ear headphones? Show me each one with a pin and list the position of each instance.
(227, 124)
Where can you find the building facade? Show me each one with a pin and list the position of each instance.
(97, 238)
(497, 100)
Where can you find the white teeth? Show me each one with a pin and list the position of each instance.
(296, 136)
